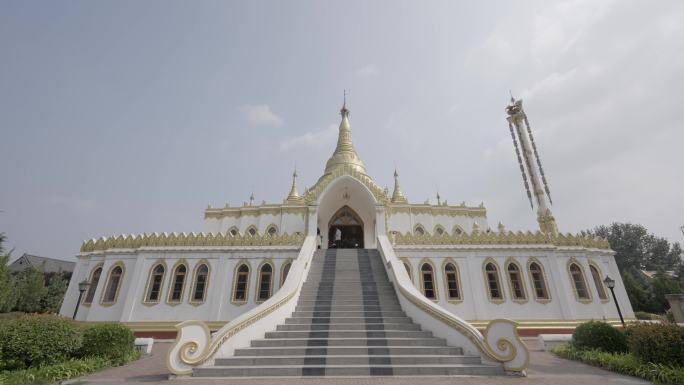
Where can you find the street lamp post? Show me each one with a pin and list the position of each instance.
(82, 287)
(611, 285)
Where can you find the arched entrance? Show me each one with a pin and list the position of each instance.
(345, 230)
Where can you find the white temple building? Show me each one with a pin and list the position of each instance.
(445, 266)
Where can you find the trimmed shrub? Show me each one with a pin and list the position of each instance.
(599, 335)
(50, 374)
(646, 316)
(34, 340)
(626, 363)
(657, 343)
(110, 340)
(669, 316)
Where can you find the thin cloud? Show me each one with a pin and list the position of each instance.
(367, 71)
(311, 139)
(260, 115)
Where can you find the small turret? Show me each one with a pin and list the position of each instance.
(293, 196)
(397, 196)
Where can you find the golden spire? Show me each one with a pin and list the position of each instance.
(397, 196)
(344, 154)
(293, 196)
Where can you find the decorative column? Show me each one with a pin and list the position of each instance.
(530, 164)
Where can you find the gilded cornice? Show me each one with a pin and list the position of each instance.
(509, 238)
(311, 195)
(254, 211)
(191, 239)
(452, 211)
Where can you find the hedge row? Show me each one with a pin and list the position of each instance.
(38, 340)
(625, 363)
(49, 374)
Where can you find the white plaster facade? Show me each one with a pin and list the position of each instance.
(227, 243)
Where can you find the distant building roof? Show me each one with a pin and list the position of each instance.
(652, 273)
(44, 264)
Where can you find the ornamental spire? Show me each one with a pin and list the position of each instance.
(397, 196)
(293, 196)
(344, 154)
(521, 131)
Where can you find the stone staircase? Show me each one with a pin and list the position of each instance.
(348, 322)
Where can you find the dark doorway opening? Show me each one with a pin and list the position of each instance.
(345, 230)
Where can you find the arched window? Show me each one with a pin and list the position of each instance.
(94, 280)
(284, 271)
(419, 230)
(451, 280)
(199, 290)
(234, 232)
(493, 282)
(272, 231)
(597, 282)
(407, 266)
(515, 279)
(428, 280)
(439, 230)
(265, 282)
(458, 230)
(538, 281)
(154, 283)
(241, 284)
(579, 282)
(178, 283)
(113, 283)
(252, 231)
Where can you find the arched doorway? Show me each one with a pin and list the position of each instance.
(350, 228)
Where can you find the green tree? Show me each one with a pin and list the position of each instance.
(7, 298)
(30, 290)
(54, 293)
(638, 293)
(661, 284)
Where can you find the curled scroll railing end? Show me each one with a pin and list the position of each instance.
(190, 348)
(504, 345)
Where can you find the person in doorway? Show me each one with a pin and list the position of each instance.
(338, 237)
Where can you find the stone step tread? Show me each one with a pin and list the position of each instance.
(405, 356)
(356, 366)
(348, 339)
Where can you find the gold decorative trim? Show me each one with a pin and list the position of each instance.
(257, 289)
(509, 261)
(195, 273)
(458, 299)
(172, 282)
(546, 300)
(434, 279)
(146, 294)
(235, 276)
(107, 282)
(427, 209)
(496, 238)
(100, 266)
(497, 301)
(254, 211)
(188, 240)
(312, 194)
(574, 261)
(598, 284)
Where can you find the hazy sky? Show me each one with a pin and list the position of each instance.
(129, 117)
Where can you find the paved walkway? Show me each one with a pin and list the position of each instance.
(544, 369)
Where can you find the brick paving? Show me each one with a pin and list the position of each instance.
(544, 369)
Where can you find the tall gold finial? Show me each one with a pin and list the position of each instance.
(344, 154)
(344, 111)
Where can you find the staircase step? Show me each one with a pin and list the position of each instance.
(348, 370)
(347, 350)
(344, 320)
(346, 308)
(343, 313)
(298, 334)
(348, 360)
(316, 342)
(349, 326)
